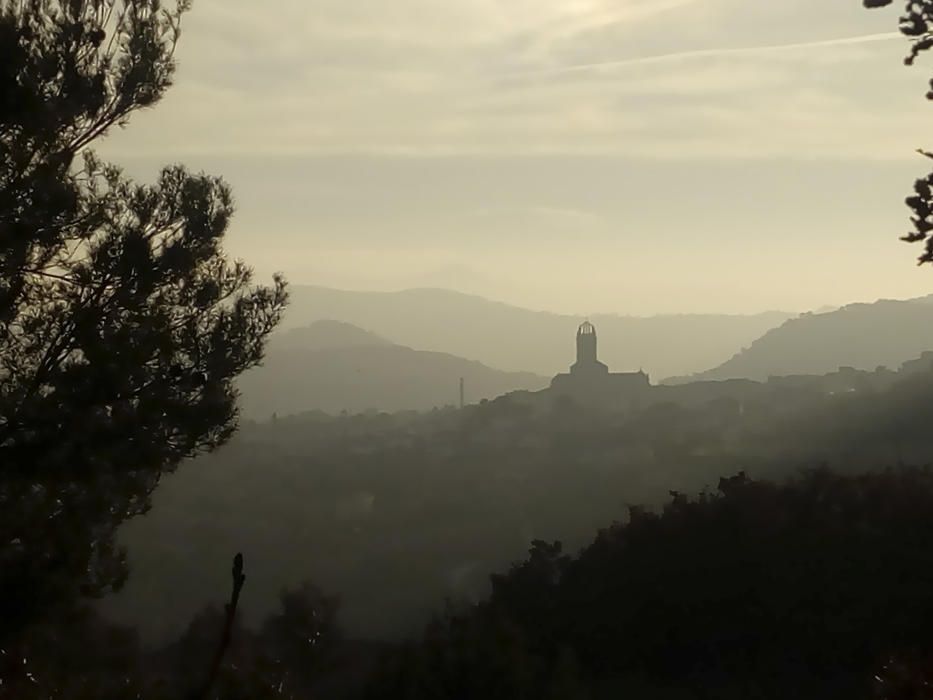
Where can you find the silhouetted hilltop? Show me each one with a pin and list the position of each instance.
(865, 336)
(513, 338)
(325, 335)
(334, 366)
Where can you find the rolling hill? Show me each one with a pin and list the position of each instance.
(864, 336)
(335, 366)
(512, 338)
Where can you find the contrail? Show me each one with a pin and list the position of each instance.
(708, 53)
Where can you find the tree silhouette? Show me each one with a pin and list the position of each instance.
(917, 24)
(122, 322)
(816, 587)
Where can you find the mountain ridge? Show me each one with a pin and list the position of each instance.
(863, 335)
(334, 366)
(512, 338)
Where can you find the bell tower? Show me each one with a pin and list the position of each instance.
(590, 380)
(586, 352)
(586, 344)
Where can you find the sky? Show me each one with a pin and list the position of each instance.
(581, 156)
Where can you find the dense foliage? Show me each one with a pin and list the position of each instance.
(122, 322)
(813, 587)
(759, 590)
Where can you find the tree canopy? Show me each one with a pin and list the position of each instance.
(122, 321)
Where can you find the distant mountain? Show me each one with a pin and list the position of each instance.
(513, 338)
(335, 366)
(326, 335)
(864, 336)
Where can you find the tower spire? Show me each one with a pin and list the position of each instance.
(586, 344)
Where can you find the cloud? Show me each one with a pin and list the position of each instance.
(647, 78)
(681, 56)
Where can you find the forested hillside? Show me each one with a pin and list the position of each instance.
(397, 511)
(864, 336)
(334, 367)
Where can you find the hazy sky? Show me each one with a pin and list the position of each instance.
(636, 156)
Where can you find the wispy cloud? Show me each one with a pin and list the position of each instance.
(679, 56)
(480, 77)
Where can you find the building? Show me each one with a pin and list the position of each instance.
(589, 380)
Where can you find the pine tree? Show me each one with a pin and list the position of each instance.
(122, 322)
(916, 24)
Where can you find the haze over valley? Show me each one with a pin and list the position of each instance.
(515, 339)
(345, 350)
(466, 350)
(335, 367)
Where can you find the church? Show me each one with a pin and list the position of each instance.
(590, 381)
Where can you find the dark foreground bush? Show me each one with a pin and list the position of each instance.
(798, 590)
